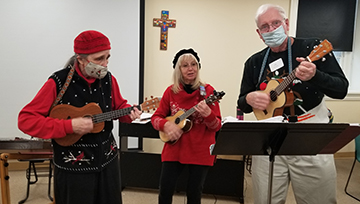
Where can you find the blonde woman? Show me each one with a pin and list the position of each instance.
(188, 149)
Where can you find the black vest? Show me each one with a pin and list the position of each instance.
(95, 150)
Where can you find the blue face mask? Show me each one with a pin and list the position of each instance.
(275, 38)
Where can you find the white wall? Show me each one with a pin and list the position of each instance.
(37, 39)
(223, 33)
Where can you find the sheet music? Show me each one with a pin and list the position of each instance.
(144, 118)
(276, 119)
(25, 137)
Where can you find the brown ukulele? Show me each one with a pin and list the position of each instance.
(180, 118)
(281, 99)
(92, 110)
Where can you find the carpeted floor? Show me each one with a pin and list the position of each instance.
(38, 191)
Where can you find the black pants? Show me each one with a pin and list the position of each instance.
(171, 171)
(91, 188)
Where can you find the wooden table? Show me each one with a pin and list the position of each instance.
(19, 149)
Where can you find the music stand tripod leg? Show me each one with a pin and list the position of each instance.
(276, 140)
(270, 177)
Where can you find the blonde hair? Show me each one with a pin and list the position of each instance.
(178, 78)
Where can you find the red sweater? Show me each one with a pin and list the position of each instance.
(33, 118)
(193, 147)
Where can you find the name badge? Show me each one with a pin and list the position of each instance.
(275, 65)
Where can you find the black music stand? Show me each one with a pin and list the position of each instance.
(270, 138)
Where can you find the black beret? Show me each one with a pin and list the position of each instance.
(184, 51)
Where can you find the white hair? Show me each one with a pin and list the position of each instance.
(265, 7)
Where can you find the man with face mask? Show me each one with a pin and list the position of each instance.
(88, 170)
(313, 178)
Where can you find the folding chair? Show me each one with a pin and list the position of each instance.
(41, 172)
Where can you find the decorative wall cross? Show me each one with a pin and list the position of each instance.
(164, 22)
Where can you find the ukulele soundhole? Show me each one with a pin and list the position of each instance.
(273, 96)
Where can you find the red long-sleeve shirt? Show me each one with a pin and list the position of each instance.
(33, 118)
(194, 146)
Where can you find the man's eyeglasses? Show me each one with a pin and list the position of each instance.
(266, 27)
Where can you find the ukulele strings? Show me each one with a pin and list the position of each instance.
(113, 114)
(192, 110)
(282, 86)
(187, 114)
